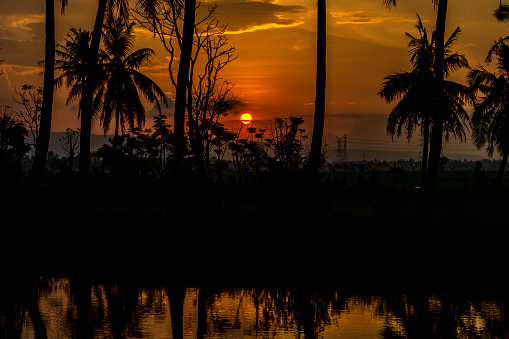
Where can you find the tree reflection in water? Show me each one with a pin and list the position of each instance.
(50, 308)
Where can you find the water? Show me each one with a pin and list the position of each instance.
(64, 308)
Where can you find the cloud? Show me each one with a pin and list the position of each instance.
(20, 70)
(22, 28)
(362, 17)
(21, 53)
(249, 16)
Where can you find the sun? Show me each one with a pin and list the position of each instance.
(246, 118)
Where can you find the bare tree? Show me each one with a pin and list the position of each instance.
(174, 21)
(30, 98)
(70, 143)
(211, 96)
(207, 95)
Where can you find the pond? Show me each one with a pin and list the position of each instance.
(64, 307)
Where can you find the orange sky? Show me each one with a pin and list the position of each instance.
(274, 74)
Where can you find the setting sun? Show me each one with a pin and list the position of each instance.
(246, 118)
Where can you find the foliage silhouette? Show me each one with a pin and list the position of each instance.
(71, 64)
(439, 102)
(198, 41)
(70, 144)
(30, 98)
(415, 91)
(12, 145)
(124, 82)
(490, 119)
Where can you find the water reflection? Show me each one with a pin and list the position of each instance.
(77, 308)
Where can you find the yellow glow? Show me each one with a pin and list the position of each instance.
(246, 118)
(264, 26)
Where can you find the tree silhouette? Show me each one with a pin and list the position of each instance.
(439, 102)
(86, 103)
(164, 141)
(183, 80)
(70, 144)
(502, 13)
(12, 144)
(490, 119)
(124, 82)
(71, 64)
(174, 21)
(30, 98)
(41, 150)
(209, 96)
(315, 155)
(415, 91)
(104, 8)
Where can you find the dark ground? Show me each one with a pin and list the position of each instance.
(266, 233)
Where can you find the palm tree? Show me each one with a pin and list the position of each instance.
(490, 119)
(315, 154)
(439, 102)
(124, 83)
(502, 12)
(71, 64)
(150, 8)
(87, 98)
(41, 150)
(415, 91)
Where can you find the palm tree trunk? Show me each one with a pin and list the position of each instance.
(182, 83)
(501, 169)
(176, 297)
(117, 116)
(319, 117)
(41, 150)
(88, 93)
(438, 118)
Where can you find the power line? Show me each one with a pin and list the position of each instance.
(341, 150)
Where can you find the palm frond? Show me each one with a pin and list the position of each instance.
(136, 59)
(149, 89)
(396, 85)
(502, 13)
(452, 40)
(389, 3)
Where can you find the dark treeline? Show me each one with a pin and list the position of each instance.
(103, 76)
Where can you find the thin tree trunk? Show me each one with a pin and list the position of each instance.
(71, 158)
(88, 93)
(319, 117)
(41, 150)
(117, 117)
(501, 169)
(425, 145)
(182, 83)
(438, 112)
